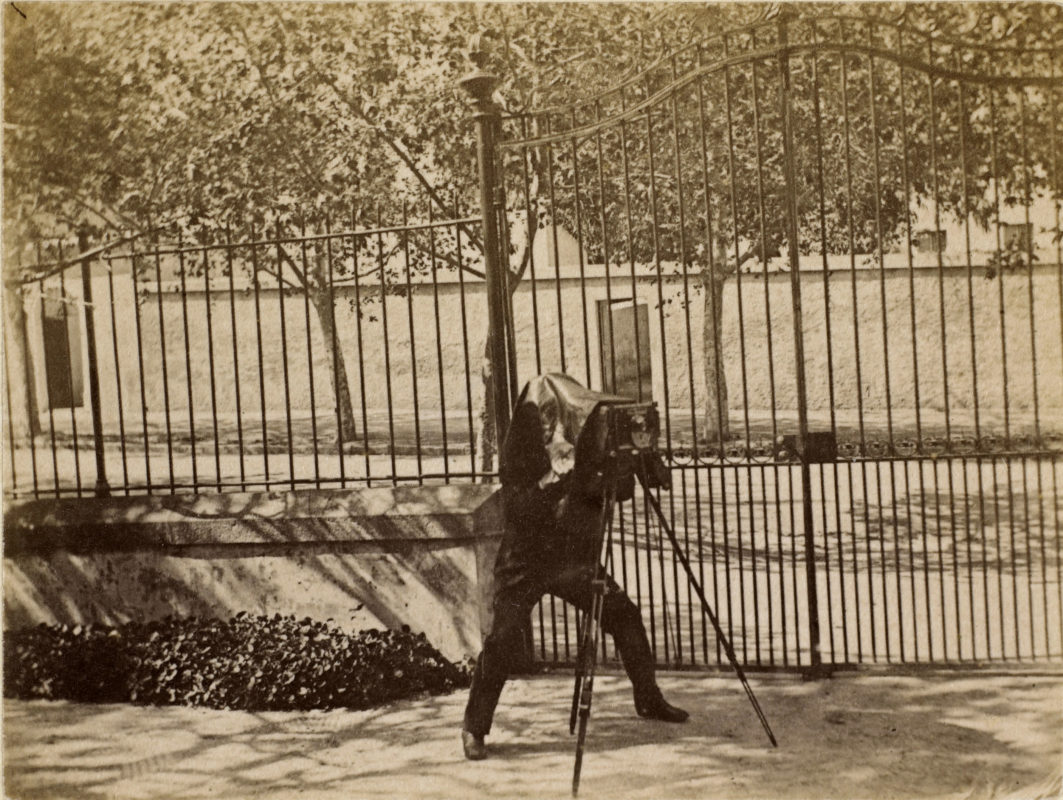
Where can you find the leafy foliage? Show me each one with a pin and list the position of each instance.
(689, 157)
(252, 663)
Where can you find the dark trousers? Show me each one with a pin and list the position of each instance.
(513, 603)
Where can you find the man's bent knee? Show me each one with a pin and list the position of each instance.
(620, 613)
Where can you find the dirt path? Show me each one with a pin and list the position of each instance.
(958, 737)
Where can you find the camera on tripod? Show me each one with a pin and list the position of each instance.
(633, 428)
(632, 432)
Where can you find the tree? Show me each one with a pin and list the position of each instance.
(230, 115)
(222, 116)
(695, 175)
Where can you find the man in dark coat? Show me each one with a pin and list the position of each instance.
(553, 497)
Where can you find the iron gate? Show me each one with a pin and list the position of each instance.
(846, 237)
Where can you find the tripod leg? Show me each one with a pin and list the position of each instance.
(586, 686)
(681, 553)
(587, 657)
(584, 629)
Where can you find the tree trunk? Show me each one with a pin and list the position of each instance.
(25, 419)
(717, 426)
(322, 299)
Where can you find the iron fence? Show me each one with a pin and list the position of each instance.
(829, 248)
(296, 356)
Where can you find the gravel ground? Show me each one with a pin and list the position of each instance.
(965, 736)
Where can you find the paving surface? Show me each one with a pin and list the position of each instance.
(962, 737)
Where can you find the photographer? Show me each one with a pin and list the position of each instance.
(554, 494)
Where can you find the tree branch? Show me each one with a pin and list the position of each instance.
(395, 146)
(295, 148)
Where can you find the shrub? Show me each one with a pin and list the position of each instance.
(253, 663)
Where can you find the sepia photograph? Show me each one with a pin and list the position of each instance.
(515, 399)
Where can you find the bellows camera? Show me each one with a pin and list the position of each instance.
(633, 427)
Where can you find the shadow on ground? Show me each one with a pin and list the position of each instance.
(970, 737)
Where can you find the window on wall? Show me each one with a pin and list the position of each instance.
(930, 241)
(61, 327)
(624, 348)
(1018, 236)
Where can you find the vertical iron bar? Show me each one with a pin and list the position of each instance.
(48, 394)
(439, 344)
(355, 240)
(1003, 365)
(939, 534)
(465, 341)
(938, 249)
(791, 210)
(850, 227)
(117, 374)
(631, 255)
(915, 373)
(12, 484)
(382, 269)
(413, 340)
(210, 363)
(876, 189)
(1000, 561)
(341, 449)
(309, 350)
(28, 377)
(944, 350)
(102, 489)
(580, 254)
(162, 340)
(655, 221)
(230, 268)
(1023, 463)
(1028, 199)
(140, 372)
(188, 358)
(606, 261)
(1000, 272)
(64, 303)
(762, 257)
(284, 358)
(709, 286)
(830, 362)
(509, 281)
(682, 260)
(713, 549)
(1033, 370)
(741, 341)
(556, 251)
(826, 563)
(532, 226)
(1057, 190)
(974, 374)
(261, 367)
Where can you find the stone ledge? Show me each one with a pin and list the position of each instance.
(362, 558)
(408, 513)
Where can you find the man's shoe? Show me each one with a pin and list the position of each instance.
(475, 749)
(657, 707)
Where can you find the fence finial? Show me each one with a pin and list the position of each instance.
(480, 84)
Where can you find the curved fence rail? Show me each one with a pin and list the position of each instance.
(829, 248)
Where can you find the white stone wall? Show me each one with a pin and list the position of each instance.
(451, 344)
